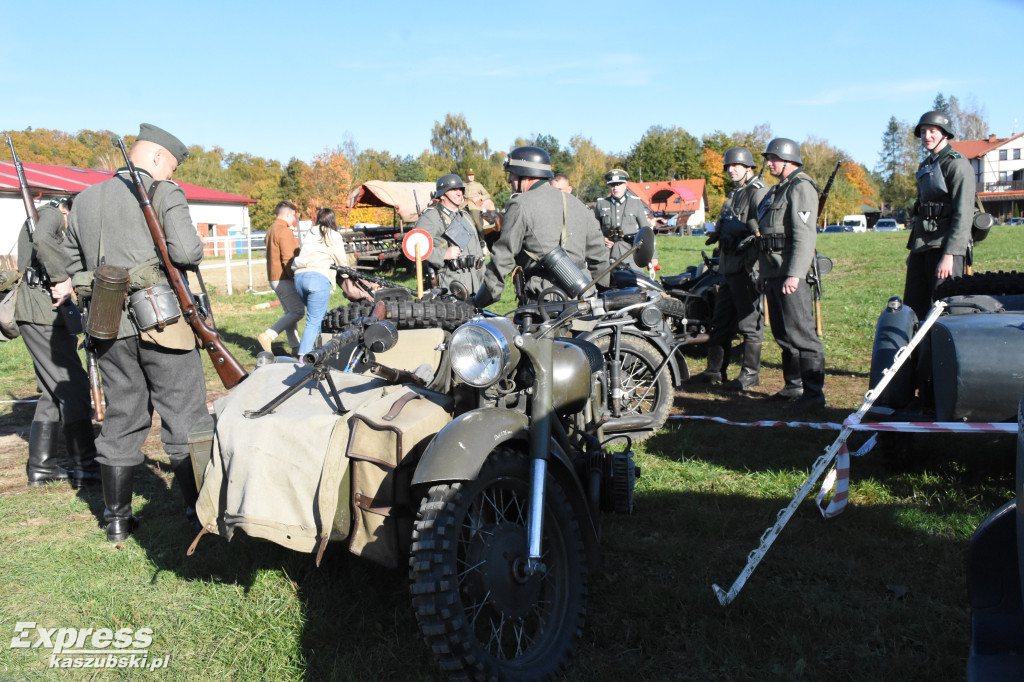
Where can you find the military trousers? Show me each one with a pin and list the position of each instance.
(137, 377)
(63, 382)
(621, 246)
(737, 310)
(792, 320)
(921, 280)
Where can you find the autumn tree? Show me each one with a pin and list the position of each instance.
(330, 180)
(589, 165)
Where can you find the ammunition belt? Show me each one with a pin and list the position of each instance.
(773, 243)
(464, 263)
(935, 209)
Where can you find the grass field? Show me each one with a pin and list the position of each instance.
(877, 593)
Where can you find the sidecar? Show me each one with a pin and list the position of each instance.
(312, 469)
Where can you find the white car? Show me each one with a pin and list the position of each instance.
(887, 225)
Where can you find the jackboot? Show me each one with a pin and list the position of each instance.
(186, 478)
(812, 371)
(81, 444)
(42, 465)
(794, 387)
(117, 497)
(750, 372)
(716, 366)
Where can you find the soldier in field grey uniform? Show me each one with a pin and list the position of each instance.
(63, 383)
(621, 216)
(787, 221)
(541, 224)
(943, 214)
(106, 225)
(457, 255)
(738, 304)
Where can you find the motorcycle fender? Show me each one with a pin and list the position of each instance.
(459, 451)
(677, 374)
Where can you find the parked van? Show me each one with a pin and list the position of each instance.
(859, 223)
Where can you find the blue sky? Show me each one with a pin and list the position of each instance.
(289, 79)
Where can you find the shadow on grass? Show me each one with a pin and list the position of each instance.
(357, 620)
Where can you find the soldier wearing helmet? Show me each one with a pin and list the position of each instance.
(786, 219)
(738, 304)
(621, 215)
(457, 255)
(942, 214)
(541, 224)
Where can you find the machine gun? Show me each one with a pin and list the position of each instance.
(228, 368)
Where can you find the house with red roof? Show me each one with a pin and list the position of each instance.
(998, 165)
(686, 200)
(214, 213)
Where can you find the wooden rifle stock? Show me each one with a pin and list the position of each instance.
(229, 370)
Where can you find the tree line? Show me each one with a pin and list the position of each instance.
(662, 153)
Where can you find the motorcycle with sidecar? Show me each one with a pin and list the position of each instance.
(478, 457)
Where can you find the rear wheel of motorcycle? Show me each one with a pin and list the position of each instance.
(479, 613)
(644, 394)
(980, 284)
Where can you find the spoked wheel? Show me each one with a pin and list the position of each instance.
(481, 611)
(642, 392)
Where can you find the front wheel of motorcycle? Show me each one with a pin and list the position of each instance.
(482, 613)
(642, 392)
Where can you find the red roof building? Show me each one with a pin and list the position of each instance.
(215, 213)
(998, 165)
(687, 200)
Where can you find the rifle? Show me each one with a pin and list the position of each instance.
(228, 368)
(815, 272)
(70, 313)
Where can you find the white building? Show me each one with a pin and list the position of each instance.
(998, 165)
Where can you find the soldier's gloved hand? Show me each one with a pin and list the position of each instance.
(711, 239)
(746, 243)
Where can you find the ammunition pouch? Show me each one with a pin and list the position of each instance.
(463, 263)
(773, 243)
(934, 209)
(109, 287)
(32, 277)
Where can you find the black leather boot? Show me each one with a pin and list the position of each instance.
(42, 465)
(117, 496)
(794, 387)
(716, 366)
(750, 373)
(812, 371)
(81, 444)
(186, 478)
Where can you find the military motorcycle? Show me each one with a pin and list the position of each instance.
(478, 457)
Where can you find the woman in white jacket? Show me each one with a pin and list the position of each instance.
(314, 279)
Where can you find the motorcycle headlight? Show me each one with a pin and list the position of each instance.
(481, 352)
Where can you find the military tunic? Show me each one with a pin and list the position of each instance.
(439, 222)
(788, 221)
(63, 383)
(738, 304)
(138, 375)
(620, 220)
(943, 215)
(532, 228)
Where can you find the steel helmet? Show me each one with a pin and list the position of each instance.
(615, 175)
(448, 182)
(784, 148)
(528, 162)
(740, 155)
(937, 119)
